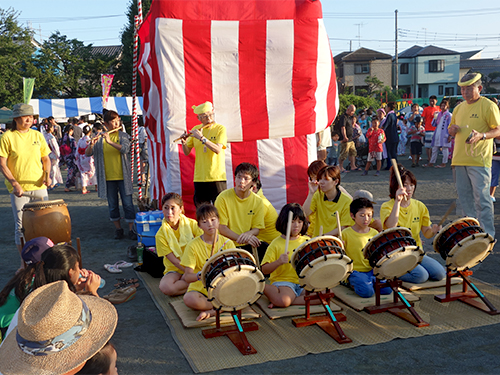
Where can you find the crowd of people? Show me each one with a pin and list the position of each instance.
(50, 282)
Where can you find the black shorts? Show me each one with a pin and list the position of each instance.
(206, 192)
(416, 148)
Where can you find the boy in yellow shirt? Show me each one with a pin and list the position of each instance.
(355, 238)
(242, 211)
(196, 254)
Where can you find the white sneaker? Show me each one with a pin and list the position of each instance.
(493, 199)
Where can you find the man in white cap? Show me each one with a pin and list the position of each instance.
(209, 141)
(474, 124)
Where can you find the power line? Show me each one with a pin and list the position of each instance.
(67, 19)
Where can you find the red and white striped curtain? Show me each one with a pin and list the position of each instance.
(267, 67)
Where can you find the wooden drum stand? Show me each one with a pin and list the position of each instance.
(466, 296)
(397, 306)
(328, 322)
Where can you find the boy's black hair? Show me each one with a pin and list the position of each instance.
(359, 203)
(206, 210)
(298, 213)
(247, 168)
(258, 184)
(433, 97)
(335, 133)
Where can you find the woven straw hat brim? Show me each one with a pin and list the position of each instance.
(104, 319)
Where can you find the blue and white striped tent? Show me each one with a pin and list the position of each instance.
(60, 108)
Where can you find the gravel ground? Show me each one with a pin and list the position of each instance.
(144, 342)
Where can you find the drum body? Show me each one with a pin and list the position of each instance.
(232, 280)
(393, 253)
(321, 263)
(463, 244)
(48, 219)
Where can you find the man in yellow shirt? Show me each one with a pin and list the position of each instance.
(209, 141)
(269, 233)
(474, 124)
(241, 211)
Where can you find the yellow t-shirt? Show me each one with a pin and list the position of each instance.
(324, 212)
(481, 116)
(112, 159)
(169, 240)
(285, 272)
(197, 253)
(413, 217)
(269, 233)
(209, 166)
(24, 152)
(240, 215)
(354, 243)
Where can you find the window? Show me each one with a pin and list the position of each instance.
(361, 68)
(404, 68)
(449, 91)
(436, 66)
(440, 90)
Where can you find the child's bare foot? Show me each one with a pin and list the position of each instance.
(205, 315)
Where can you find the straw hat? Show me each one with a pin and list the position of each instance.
(57, 331)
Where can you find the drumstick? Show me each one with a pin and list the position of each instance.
(396, 172)
(288, 230)
(451, 208)
(189, 134)
(214, 242)
(338, 225)
(321, 230)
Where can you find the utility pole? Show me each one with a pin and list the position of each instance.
(359, 32)
(396, 70)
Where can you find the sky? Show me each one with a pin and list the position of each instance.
(350, 24)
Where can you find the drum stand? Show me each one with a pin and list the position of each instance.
(396, 307)
(466, 296)
(236, 333)
(329, 322)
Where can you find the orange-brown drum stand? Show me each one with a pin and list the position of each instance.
(328, 322)
(466, 296)
(48, 219)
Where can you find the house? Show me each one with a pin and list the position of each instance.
(108, 51)
(489, 68)
(352, 68)
(430, 70)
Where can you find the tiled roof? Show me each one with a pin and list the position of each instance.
(468, 54)
(362, 54)
(425, 51)
(111, 51)
(483, 66)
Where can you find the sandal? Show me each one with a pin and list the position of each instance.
(112, 268)
(123, 264)
(118, 296)
(124, 282)
(125, 285)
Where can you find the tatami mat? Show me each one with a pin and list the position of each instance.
(188, 316)
(279, 339)
(431, 284)
(294, 310)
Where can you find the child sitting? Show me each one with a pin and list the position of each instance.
(195, 256)
(174, 234)
(285, 289)
(355, 238)
(376, 139)
(417, 132)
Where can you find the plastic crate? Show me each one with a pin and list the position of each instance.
(147, 224)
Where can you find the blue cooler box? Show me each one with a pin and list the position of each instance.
(147, 224)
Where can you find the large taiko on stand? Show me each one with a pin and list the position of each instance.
(233, 282)
(321, 263)
(392, 253)
(463, 244)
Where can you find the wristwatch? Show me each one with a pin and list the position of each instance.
(203, 140)
(484, 136)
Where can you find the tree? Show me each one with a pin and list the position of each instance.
(359, 101)
(123, 77)
(67, 69)
(374, 85)
(16, 57)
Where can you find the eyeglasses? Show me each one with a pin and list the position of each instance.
(203, 117)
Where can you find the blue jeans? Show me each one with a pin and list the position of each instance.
(429, 269)
(112, 189)
(473, 188)
(363, 284)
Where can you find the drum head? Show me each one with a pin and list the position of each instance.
(208, 264)
(446, 228)
(37, 205)
(405, 232)
(298, 249)
(398, 262)
(470, 252)
(237, 288)
(324, 274)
